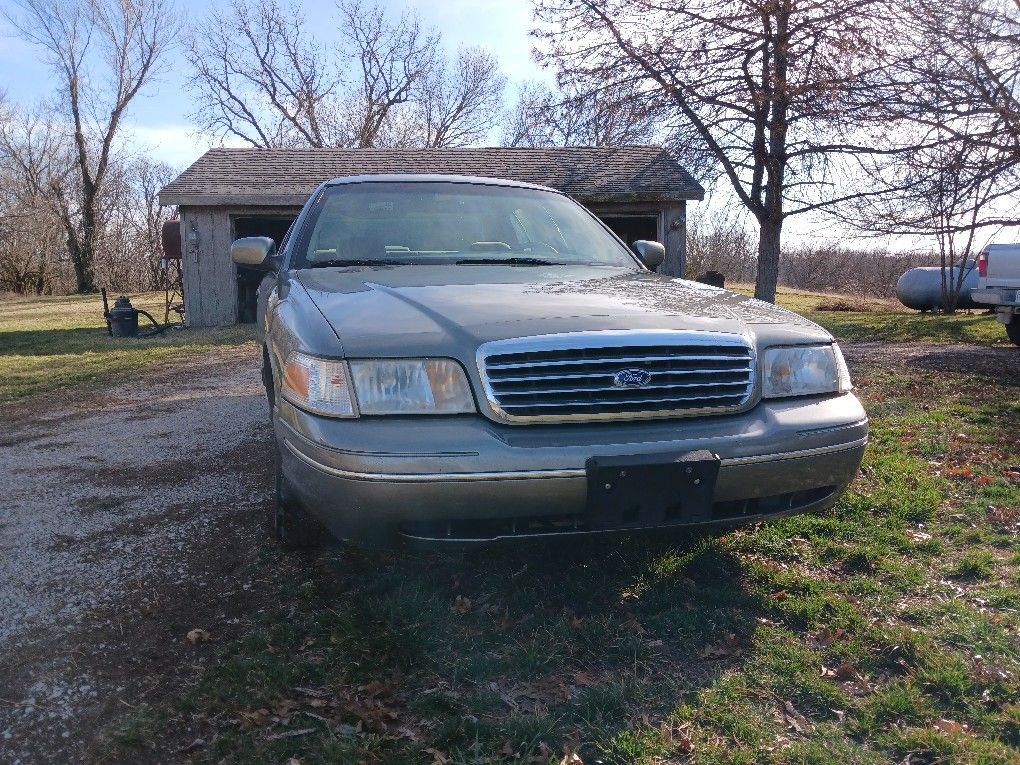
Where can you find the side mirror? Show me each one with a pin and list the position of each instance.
(254, 252)
(651, 253)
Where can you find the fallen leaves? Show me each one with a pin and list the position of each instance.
(951, 727)
(844, 672)
(1003, 516)
(376, 708)
(290, 734)
(825, 637)
(730, 645)
(197, 636)
(795, 721)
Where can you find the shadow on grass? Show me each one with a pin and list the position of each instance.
(49, 342)
(502, 651)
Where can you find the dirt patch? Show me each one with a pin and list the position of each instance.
(131, 517)
(1002, 363)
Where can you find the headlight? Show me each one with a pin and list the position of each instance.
(321, 386)
(411, 386)
(803, 371)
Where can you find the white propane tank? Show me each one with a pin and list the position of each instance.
(921, 288)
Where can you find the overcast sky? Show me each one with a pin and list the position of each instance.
(158, 118)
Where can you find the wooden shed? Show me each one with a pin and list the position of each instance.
(640, 192)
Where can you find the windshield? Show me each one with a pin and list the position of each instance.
(435, 222)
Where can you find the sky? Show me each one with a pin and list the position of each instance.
(158, 119)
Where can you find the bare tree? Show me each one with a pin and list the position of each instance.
(459, 105)
(125, 39)
(958, 76)
(719, 240)
(604, 116)
(770, 89)
(954, 101)
(393, 59)
(146, 177)
(383, 82)
(260, 78)
(36, 161)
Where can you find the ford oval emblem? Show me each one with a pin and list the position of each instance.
(632, 378)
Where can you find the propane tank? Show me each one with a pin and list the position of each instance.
(123, 318)
(921, 288)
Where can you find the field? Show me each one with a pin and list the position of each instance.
(51, 343)
(889, 321)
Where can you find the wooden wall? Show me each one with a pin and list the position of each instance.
(210, 278)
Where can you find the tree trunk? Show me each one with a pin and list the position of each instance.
(84, 254)
(769, 239)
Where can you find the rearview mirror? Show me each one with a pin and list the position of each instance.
(651, 253)
(254, 252)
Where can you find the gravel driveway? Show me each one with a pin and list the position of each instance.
(131, 515)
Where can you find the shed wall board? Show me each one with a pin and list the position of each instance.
(674, 224)
(210, 278)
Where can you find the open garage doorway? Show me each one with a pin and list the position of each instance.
(630, 228)
(248, 279)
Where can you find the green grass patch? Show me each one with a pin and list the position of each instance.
(52, 343)
(888, 320)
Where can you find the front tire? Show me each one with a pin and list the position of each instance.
(1013, 330)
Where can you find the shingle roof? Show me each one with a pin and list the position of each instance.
(289, 176)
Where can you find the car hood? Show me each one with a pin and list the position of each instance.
(417, 310)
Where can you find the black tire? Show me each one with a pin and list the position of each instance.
(267, 381)
(292, 527)
(1013, 330)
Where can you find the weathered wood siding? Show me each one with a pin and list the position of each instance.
(673, 223)
(210, 277)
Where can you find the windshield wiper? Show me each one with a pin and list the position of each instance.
(507, 262)
(357, 262)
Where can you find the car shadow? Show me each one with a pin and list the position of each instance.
(581, 636)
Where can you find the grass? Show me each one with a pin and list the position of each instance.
(52, 343)
(889, 321)
(885, 630)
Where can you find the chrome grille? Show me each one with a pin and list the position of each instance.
(617, 375)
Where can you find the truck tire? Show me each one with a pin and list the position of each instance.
(292, 527)
(268, 382)
(1013, 330)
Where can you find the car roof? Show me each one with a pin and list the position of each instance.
(433, 178)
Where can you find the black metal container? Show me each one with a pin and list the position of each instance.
(123, 318)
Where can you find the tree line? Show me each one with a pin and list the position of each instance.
(891, 118)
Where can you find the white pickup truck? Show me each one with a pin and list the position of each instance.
(999, 285)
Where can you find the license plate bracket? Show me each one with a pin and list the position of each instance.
(650, 490)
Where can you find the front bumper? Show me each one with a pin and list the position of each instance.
(467, 479)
